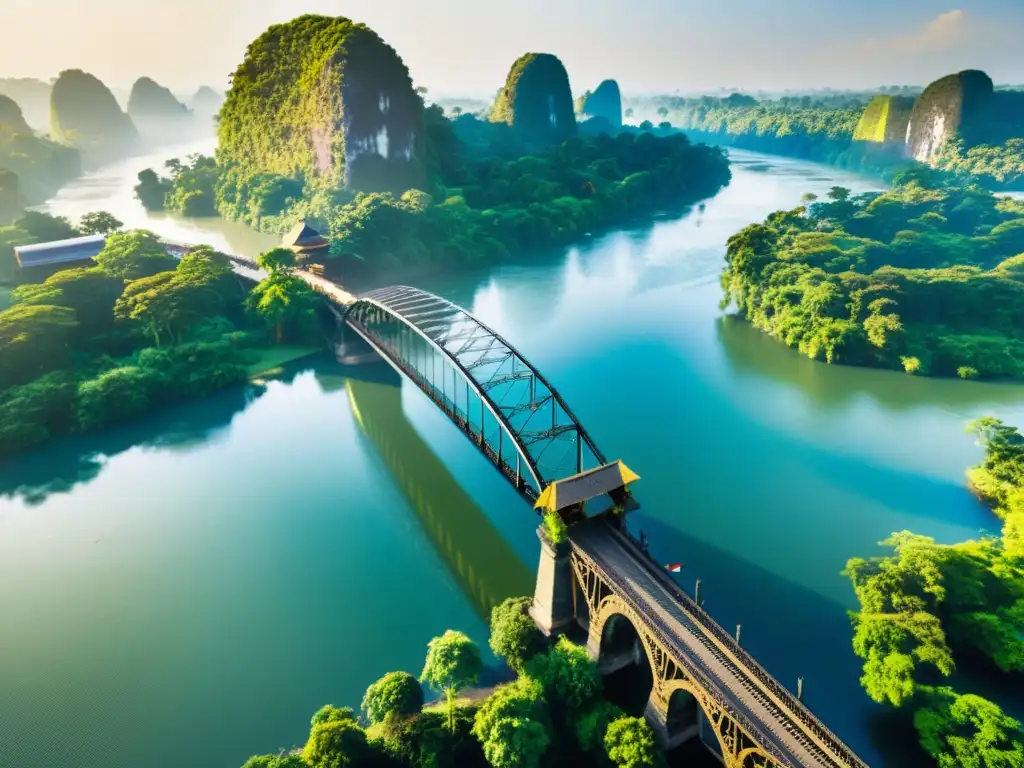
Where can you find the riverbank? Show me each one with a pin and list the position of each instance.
(328, 500)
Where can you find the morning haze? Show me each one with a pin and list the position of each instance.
(659, 45)
(294, 302)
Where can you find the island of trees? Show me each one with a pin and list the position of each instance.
(926, 277)
(554, 713)
(926, 606)
(94, 345)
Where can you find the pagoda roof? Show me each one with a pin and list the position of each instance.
(585, 486)
(303, 237)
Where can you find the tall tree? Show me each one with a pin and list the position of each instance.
(453, 663)
(630, 743)
(135, 254)
(99, 223)
(514, 634)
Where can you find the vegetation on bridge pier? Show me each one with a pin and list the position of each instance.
(94, 345)
(553, 714)
(927, 605)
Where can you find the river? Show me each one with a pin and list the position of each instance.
(189, 589)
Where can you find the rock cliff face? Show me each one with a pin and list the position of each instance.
(206, 102)
(151, 101)
(12, 121)
(160, 117)
(604, 102)
(537, 100)
(956, 105)
(324, 100)
(84, 114)
(885, 119)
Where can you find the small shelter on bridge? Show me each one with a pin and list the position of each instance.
(304, 240)
(70, 251)
(570, 495)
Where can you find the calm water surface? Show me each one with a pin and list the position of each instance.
(189, 589)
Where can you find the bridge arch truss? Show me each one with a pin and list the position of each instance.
(481, 382)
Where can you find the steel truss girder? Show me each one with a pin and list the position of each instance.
(416, 310)
(548, 435)
(507, 378)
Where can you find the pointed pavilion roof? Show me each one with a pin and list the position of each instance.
(304, 238)
(585, 486)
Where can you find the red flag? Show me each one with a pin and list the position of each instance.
(674, 567)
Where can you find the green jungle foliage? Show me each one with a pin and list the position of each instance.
(31, 168)
(494, 207)
(93, 345)
(85, 115)
(926, 603)
(925, 278)
(304, 114)
(553, 714)
(997, 166)
(793, 128)
(536, 100)
(189, 191)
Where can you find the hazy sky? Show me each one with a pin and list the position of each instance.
(466, 46)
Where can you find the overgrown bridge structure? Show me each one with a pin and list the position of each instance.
(705, 685)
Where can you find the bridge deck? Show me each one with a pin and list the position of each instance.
(787, 725)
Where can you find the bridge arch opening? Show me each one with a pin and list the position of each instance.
(623, 662)
(683, 714)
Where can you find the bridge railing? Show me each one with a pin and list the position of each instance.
(629, 595)
(460, 419)
(751, 665)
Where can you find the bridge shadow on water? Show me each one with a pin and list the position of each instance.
(479, 559)
(805, 636)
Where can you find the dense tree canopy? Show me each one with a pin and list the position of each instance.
(94, 345)
(397, 693)
(926, 602)
(514, 634)
(923, 277)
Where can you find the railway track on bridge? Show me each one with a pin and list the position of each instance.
(774, 717)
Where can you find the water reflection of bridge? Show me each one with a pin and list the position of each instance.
(482, 562)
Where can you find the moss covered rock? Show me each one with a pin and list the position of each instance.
(885, 119)
(12, 121)
(326, 103)
(956, 105)
(537, 100)
(206, 101)
(84, 114)
(604, 102)
(32, 96)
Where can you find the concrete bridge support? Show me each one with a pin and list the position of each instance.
(349, 347)
(552, 607)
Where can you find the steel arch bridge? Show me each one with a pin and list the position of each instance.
(481, 382)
